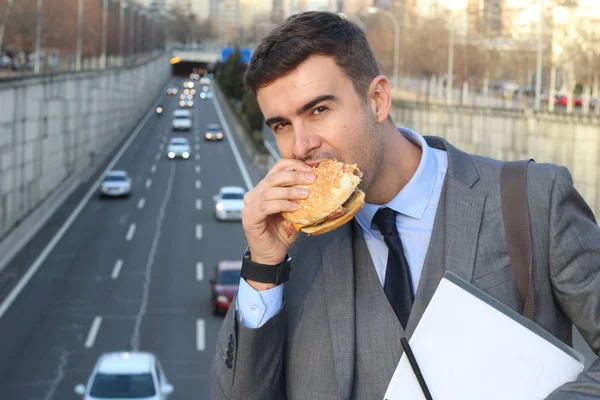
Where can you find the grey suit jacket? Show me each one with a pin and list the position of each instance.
(307, 351)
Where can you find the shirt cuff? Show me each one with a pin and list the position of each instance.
(255, 307)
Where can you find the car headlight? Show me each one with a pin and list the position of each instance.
(181, 104)
(209, 135)
(219, 135)
(222, 299)
(219, 206)
(171, 154)
(185, 154)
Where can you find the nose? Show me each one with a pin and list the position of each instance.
(305, 141)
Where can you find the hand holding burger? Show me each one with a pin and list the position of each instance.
(334, 198)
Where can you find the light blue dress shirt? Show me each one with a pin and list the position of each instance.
(416, 205)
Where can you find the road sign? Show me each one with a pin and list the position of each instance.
(245, 52)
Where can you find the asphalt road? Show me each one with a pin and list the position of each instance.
(140, 266)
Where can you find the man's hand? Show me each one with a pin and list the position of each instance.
(268, 234)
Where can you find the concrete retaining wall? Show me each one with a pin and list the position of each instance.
(55, 126)
(570, 140)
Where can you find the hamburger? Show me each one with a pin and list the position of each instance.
(333, 199)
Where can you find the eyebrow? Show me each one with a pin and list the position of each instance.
(326, 97)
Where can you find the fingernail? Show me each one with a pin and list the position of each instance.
(310, 176)
(308, 167)
(303, 191)
(294, 205)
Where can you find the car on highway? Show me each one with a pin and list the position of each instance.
(224, 284)
(179, 148)
(206, 95)
(186, 100)
(172, 90)
(126, 375)
(182, 120)
(115, 183)
(213, 132)
(229, 203)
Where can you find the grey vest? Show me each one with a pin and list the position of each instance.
(378, 330)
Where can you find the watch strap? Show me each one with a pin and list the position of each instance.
(275, 274)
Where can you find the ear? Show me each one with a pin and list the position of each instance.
(380, 98)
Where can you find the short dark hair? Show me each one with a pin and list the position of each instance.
(313, 33)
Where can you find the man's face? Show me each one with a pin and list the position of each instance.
(315, 113)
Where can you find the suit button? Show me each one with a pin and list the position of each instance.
(230, 346)
(228, 363)
(231, 337)
(229, 355)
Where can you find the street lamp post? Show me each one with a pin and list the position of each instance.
(450, 83)
(38, 37)
(104, 33)
(375, 10)
(121, 28)
(540, 52)
(79, 35)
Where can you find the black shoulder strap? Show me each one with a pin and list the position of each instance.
(515, 215)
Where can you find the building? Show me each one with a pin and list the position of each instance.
(228, 21)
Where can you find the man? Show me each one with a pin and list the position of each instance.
(330, 331)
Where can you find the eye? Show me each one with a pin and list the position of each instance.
(279, 126)
(319, 110)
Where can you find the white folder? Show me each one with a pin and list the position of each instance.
(469, 346)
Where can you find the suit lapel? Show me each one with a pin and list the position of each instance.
(338, 268)
(453, 243)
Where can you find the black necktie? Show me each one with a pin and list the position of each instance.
(398, 284)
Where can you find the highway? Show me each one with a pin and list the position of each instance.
(128, 273)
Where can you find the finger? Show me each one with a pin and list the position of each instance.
(284, 193)
(289, 164)
(258, 213)
(279, 179)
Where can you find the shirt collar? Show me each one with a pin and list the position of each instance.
(413, 199)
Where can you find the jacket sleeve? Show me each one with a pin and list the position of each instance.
(575, 275)
(248, 362)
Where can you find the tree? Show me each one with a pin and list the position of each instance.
(231, 76)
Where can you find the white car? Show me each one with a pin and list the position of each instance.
(182, 120)
(179, 148)
(125, 375)
(115, 183)
(229, 203)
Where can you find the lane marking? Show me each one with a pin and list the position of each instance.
(199, 271)
(197, 146)
(141, 203)
(233, 145)
(161, 147)
(200, 336)
(157, 156)
(153, 169)
(130, 232)
(198, 204)
(67, 224)
(91, 337)
(197, 157)
(135, 336)
(117, 269)
(198, 231)
(198, 184)
(198, 169)
(148, 183)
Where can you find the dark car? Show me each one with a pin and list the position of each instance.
(213, 132)
(224, 284)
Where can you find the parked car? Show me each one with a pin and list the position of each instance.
(229, 203)
(116, 184)
(126, 375)
(224, 284)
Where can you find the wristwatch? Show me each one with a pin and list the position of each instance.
(276, 274)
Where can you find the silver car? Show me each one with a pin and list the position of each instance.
(229, 203)
(179, 148)
(116, 184)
